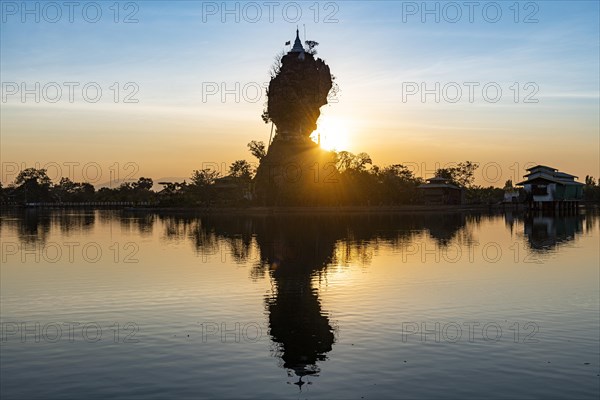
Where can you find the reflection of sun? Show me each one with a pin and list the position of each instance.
(332, 133)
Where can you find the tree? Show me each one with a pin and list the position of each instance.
(398, 185)
(401, 172)
(69, 191)
(204, 177)
(202, 190)
(335, 89)
(343, 160)
(311, 46)
(87, 190)
(140, 191)
(33, 185)
(173, 193)
(360, 161)
(591, 192)
(171, 188)
(257, 149)
(33, 175)
(276, 66)
(347, 161)
(143, 184)
(590, 181)
(465, 173)
(265, 117)
(241, 169)
(461, 175)
(64, 190)
(446, 173)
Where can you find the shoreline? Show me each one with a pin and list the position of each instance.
(293, 210)
(317, 210)
(303, 210)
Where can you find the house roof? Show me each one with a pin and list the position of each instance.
(437, 186)
(437, 179)
(545, 178)
(542, 173)
(437, 182)
(564, 175)
(541, 167)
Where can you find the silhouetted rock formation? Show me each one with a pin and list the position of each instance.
(297, 93)
(296, 170)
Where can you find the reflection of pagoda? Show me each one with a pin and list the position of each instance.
(295, 253)
(295, 250)
(297, 323)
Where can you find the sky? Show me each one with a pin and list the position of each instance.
(181, 84)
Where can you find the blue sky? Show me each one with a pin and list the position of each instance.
(373, 49)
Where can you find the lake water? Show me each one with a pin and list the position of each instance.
(461, 305)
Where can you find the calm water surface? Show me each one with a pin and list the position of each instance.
(109, 303)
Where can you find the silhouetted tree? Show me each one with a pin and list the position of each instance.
(33, 185)
(398, 185)
(69, 191)
(241, 169)
(204, 177)
(201, 189)
(257, 149)
(461, 175)
(591, 191)
(311, 44)
(484, 195)
(276, 66)
(143, 184)
(590, 181)
(360, 161)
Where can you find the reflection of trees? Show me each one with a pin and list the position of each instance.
(142, 223)
(444, 228)
(73, 222)
(32, 227)
(207, 236)
(590, 221)
(294, 250)
(361, 252)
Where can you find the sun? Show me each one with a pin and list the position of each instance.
(332, 134)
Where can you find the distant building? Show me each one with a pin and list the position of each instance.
(230, 187)
(511, 195)
(437, 190)
(546, 187)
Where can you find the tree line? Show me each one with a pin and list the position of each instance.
(364, 183)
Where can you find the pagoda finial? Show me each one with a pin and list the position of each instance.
(298, 48)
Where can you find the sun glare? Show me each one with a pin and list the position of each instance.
(332, 134)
